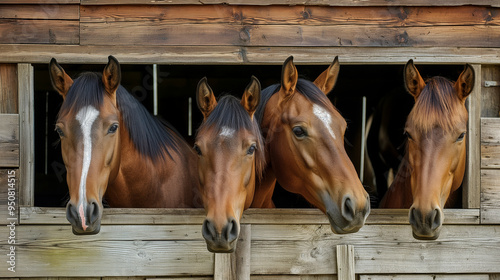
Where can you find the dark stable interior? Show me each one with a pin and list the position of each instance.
(177, 83)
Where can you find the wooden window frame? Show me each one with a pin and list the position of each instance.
(29, 214)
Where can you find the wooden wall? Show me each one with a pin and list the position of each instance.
(277, 244)
(372, 31)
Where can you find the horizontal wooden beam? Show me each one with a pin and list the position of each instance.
(141, 216)
(159, 33)
(45, 12)
(179, 250)
(22, 31)
(297, 2)
(232, 55)
(385, 16)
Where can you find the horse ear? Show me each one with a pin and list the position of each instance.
(289, 77)
(465, 82)
(327, 80)
(413, 81)
(205, 98)
(251, 97)
(111, 76)
(59, 79)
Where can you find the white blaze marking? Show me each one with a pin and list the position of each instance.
(325, 117)
(86, 117)
(227, 132)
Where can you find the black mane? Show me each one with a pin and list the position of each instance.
(150, 136)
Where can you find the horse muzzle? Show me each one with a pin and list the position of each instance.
(84, 219)
(426, 226)
(346, 218)
(223, 241)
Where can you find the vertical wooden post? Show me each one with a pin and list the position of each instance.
(242, 253)
(235, 266)
(472, 179)
(26, 134)
(345, 262)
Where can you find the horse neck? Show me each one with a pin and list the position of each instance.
(399, 193)
(142, 182)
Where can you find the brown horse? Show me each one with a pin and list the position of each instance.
(434, 164)
(230, 158)
(304, 136)
(113, 147)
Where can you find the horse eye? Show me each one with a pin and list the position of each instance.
(461, 137)
(59, 131)
(112, 129)
(408, 135)
(299, 131)
(251, 150)
(197, 150)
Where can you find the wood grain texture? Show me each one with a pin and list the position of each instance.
(345, 262)
(426, 277)
(5, 215)
(8, 89)
(459, 249)
(50, 251)
(20, 31)
(490, 196)
(9, 140)
(298, 2)
(294, 15)
(115, 216)
(26, 134)
(471, 193)
(490, 105)
(43, 12)
(158, 33)
(232, 55)
(490, 142)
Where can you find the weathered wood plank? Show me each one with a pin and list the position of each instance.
(300, 2)
(490, 105)
(294, 277)
(8, 89)
(490, 196)
(288, 15)
(225, 55)
(115, 216)
(9, 140)
(40, 12)
(490, 142)
(426, 277)
(345, 262)
(20, 31)
(45, 2)
(8, 179)
(87, 257)
(242, 253)
(26, 134)
(471, 193)
(459, 249)
(158, 33)
(224, 267)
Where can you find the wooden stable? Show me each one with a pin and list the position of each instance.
(274, 244)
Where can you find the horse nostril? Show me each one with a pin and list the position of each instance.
(208, 230)
(93, 212)
(348, 208)
(71, 213)
(415, 217)
(434, 219)
(231, 230)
